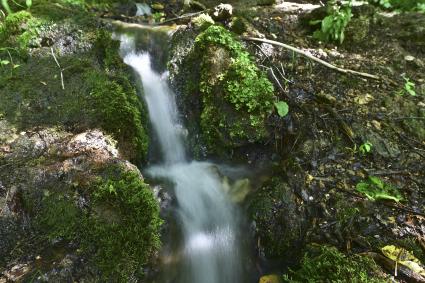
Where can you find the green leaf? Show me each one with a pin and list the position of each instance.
(315, 22)
(28, 3)
(376, 181)
(404, 257)
(375, 189)
(365, 148)
(410, 88)
(4, 62)
(362, 186)
(282, 108)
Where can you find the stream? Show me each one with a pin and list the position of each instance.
(207, 247)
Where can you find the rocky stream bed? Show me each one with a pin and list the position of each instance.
(335, 189)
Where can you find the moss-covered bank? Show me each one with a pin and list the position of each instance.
(90, 89)
(71, 195)
(118, 233)
(327, 264)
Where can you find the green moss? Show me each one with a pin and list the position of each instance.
(107, 50)
(119, 232)
(116, 108)
(279, 219)
(19, 30)
(13, 22)
(327, 264)
(239, 25)
(97, 94)
(126, 241)
(238, 115)
(60, 216)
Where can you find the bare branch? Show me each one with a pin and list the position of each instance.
(320, 61)
(60, 68)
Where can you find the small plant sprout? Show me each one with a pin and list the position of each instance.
(334, 24)
(409, 86)
(28, 3)
(365, 148)
(376, 189)
(6, 6)
(4, 62)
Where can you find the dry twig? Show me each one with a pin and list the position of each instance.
(320, 61)
(184, 16)
(60, 68)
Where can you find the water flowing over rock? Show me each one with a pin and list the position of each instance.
(209, 221)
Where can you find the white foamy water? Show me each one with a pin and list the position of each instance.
(208, 219)
(143, 9)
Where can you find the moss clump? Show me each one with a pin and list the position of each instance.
(280, 220)
(203, 21)
(19, 30)
(61, 216)
(237, 98)
(97, 93)
(116, 108)
(118, 229)
(127, 240)
(327, 264)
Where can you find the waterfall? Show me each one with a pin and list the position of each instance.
(207, 218)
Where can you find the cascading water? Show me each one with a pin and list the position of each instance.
(209, 223)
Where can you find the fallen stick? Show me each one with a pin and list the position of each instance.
(184, 16)
(60, 68)
(320, 61)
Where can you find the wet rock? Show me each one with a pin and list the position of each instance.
(222, 12)
(157, 6)
(238, 190)
(382, 145)
(412, 35)
(16, 273)
(47, 194)
(273, 278)
(406, 108)
(357, 31)
(164, 198)
(279, 218)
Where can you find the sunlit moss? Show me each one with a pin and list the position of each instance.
(238, 115)
(327, 264)
(120, 231)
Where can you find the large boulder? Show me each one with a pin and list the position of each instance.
(280, 220)
(222, 88)
(62, 196)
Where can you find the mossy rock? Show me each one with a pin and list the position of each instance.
(117, 201)
(97, 93)
(404, 107)
(233, 97)
(327, 264)
(280, 220)
(76, 194)
(19, 30)
(357, 31)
